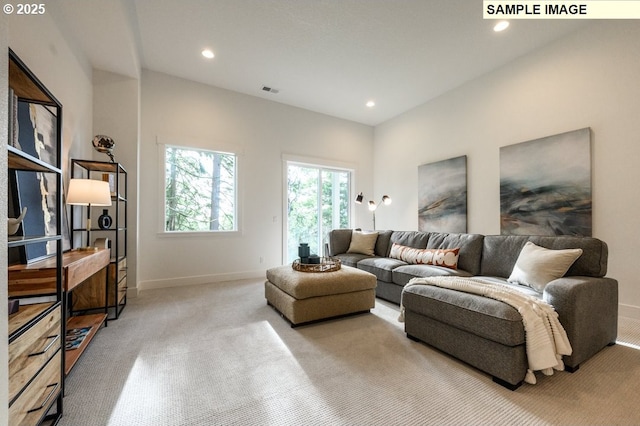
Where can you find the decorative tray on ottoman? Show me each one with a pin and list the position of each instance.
(326, 264)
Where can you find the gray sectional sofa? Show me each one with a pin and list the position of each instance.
(483, 332)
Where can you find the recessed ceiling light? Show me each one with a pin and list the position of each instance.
(207, 53)
(370, 104)
(501, 26)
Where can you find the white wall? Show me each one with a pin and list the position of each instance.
(116, 113)
(589, 79)
(64, 71)
(173, 109)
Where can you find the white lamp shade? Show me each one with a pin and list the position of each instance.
(84, 192)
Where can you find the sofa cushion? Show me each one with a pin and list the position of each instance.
(402, 274)
(447, 258)
(363, 242)
(522, 288)
(351, 259)
(410, 238)
(383, 243)
(340, 240)
(470, 248)
(484, 317)
(537, 266)
(381, 267)
(500, 252)
(592, 263)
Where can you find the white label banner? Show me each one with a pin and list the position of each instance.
(586, 9)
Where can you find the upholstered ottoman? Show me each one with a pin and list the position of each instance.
(304, 297)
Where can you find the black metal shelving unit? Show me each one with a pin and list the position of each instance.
(116, 290)
(36, 331)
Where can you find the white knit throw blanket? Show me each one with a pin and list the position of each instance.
(545, 338)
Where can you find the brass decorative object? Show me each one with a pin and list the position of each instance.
(104, 144)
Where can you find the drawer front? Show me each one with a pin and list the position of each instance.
(122, 285)
(29, 352)
(38, 397)
(31, 282)
(122, 270)
(122, 290)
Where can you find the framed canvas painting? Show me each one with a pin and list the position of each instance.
(545, 186)
(38, 193)
(442, 196)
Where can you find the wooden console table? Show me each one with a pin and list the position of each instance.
(77, 267)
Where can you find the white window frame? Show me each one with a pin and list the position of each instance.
(199, 145)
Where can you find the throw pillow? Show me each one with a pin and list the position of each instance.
(439, 257)
(538, 266)
(363, 242)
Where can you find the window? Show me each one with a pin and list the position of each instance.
(317, 201)
(200, 190)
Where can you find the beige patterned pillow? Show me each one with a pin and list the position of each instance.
(363, 243)
(447, 258)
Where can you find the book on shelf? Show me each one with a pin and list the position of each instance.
(75, 337)
(111, 178)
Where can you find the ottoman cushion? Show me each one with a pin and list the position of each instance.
(303, 285)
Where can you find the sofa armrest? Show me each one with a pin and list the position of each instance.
(339, 241)
(587, 308)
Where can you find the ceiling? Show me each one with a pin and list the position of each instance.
(327, 56)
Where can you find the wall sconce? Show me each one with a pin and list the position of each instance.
(386, 200)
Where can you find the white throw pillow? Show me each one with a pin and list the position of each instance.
(538, 266)
(363, 242)
(440, 257)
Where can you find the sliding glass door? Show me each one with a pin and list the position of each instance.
(317, 201)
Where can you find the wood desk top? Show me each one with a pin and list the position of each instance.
(77, 266)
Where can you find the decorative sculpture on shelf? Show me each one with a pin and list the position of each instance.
(104, 144)
(105, 221)
(14, 223)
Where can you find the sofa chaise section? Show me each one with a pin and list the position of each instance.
(586, 301)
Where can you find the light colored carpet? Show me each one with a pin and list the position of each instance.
(218, 355)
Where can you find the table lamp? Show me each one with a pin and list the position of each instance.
(90, 193)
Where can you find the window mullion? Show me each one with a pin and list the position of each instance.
(319, 206)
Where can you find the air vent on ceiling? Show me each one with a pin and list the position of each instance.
(270, 89)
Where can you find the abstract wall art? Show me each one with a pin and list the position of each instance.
(545, 186)
(442, 195)
(37, 131)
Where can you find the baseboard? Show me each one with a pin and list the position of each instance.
(629, 311)
(200, 279)
(132, 292)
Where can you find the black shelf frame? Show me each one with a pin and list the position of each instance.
(90, 169)
(28, 87)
